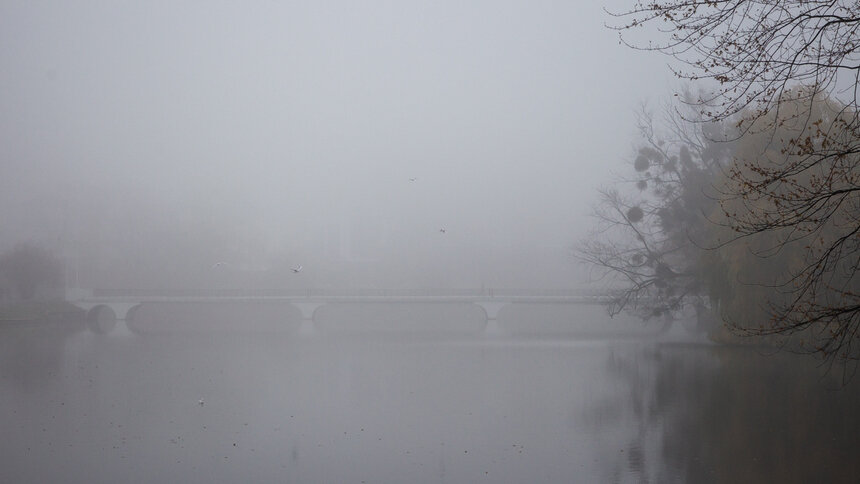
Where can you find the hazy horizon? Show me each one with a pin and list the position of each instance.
(279, 129)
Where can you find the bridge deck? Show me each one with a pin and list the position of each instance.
(361, 295)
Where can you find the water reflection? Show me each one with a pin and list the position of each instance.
(719, 414)
(32, 352)
(292, 407)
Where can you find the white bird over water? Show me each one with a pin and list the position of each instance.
(297, 269)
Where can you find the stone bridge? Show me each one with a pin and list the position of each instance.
(105, 306)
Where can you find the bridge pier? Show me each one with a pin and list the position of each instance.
(492, 308)
(307, 308)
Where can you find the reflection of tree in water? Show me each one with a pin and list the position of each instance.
(731, 415)
(31, 352)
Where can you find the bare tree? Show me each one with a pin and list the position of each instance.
(644, 247)
(787, 73)
(801, 224)
(756, 51)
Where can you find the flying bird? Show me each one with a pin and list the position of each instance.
(442, 230)
(413, 179)
(297, 269)
(218, 264)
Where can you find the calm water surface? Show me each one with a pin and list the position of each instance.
(297, 406)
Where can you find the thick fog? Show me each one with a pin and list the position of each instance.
(145, 142)
(334, 242)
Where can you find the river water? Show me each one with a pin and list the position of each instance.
(306, 406)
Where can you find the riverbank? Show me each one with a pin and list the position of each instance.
(43, 311)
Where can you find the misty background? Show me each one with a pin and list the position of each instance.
(145, 142)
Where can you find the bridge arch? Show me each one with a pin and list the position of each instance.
(491, 308)
(99, 309)
(101, 319)
(130, 318)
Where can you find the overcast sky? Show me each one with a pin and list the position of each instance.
(509, 113)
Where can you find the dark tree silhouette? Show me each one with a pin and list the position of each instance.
(27, 267)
